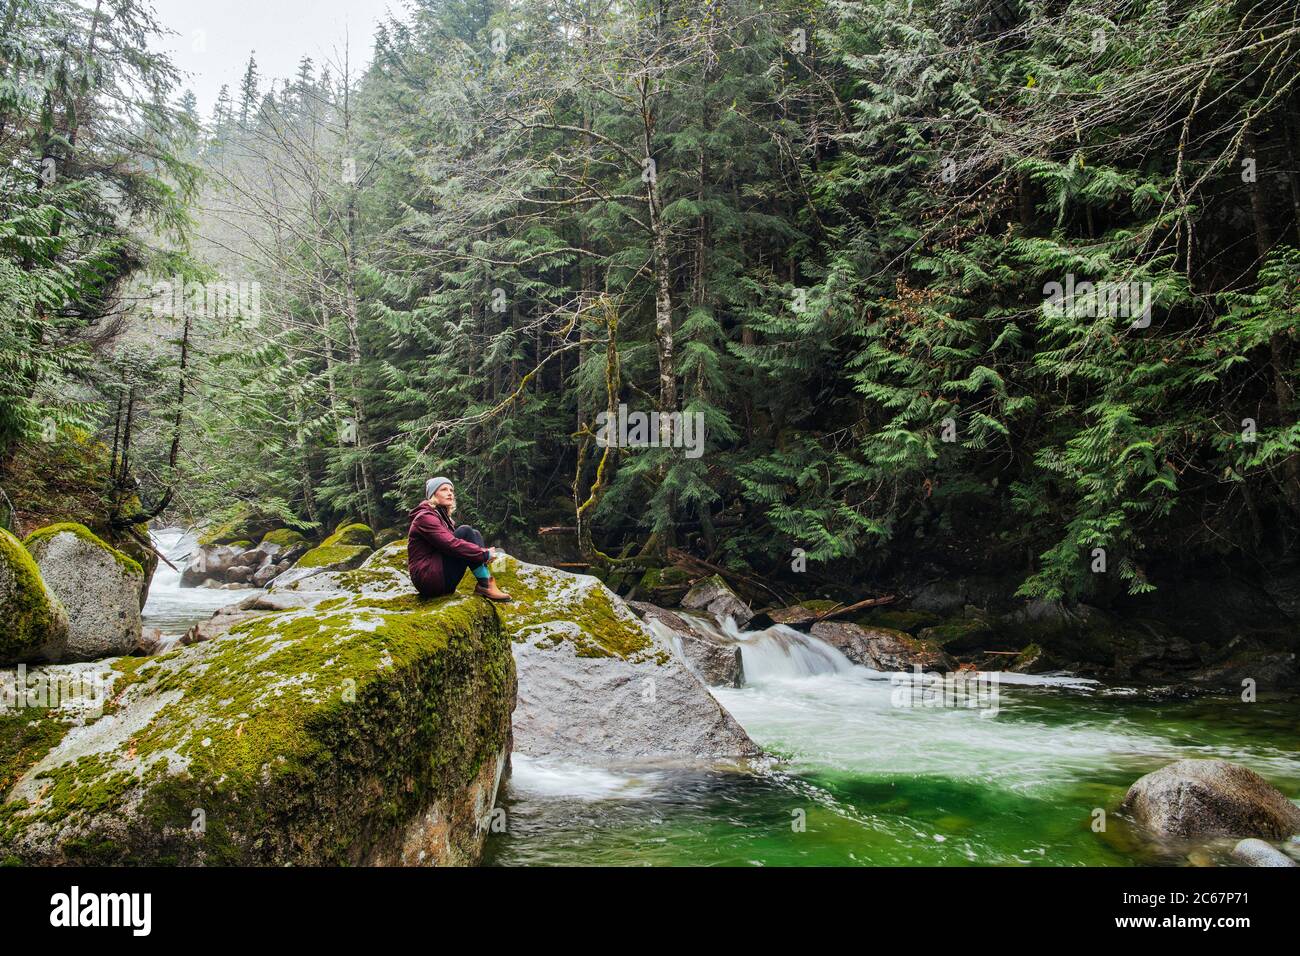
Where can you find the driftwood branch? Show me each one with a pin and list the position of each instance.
(149, 544)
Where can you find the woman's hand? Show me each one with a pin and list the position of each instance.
(493, 554)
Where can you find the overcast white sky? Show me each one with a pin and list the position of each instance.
(214, 37)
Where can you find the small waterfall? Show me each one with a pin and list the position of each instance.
(780, 651)
(773, 652)
(170, 607)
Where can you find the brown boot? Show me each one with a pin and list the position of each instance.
(490, 591)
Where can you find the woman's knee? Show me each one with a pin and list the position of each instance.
(469, 534)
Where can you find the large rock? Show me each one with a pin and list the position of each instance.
(98, 585)
(595, 683)
(322, 560)
(351, 535)
(714, 596)
(350, 731)
(714, 658)
(33, 624)
(1196, 798)
(380, 572)
(1253, 852)
(284, 538)
(209, 562)
(883, 649)
(598, 685)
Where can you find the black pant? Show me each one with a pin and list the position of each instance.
(454, 567)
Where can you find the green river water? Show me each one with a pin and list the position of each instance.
(863, 782)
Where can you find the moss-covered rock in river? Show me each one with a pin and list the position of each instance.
(284, 537)
(33, 624)
(595, 682)
(598, 684)
(351, 731)
(97, 584)
(351, 535)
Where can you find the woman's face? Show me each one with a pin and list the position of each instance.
(445, 496)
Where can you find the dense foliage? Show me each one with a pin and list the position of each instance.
(999, 281)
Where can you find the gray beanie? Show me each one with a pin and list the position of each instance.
(433, 484)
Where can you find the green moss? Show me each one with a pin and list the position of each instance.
(353, 534)
(284, 537)
(25, 737)
(38, 537)
(671, 576)
(549, 602)
(326, 556)
(304, 736)
(29, 614)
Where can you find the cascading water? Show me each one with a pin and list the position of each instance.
(876, 779)
(170, 607)
(772, 653)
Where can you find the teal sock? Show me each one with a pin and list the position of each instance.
(481, 572)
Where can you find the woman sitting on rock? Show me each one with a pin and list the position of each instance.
(438, 554)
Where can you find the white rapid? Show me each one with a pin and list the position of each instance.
(170, 607)
(773, 652)
(805, 699)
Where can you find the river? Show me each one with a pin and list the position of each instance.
(860, 780)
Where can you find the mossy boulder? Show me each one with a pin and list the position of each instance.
(352, 535)
(97, 585)
(595, 682)
(598, 684)
(714, 596)
(244, 524)
(33, 624)
(883, 649)
(284, 537)
(381, 572)
(319, 561)
(389, 535)
(354, 731)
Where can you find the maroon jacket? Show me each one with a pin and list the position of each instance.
(432, 539)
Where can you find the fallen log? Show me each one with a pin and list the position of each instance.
(683, 559)
(149, 544)
(802, 617)
(869, 602)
